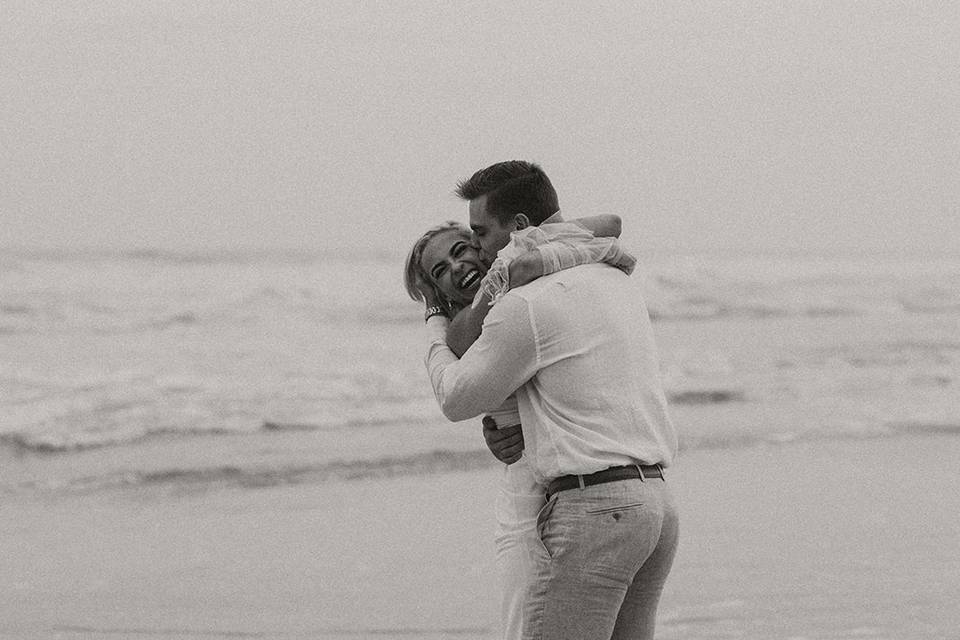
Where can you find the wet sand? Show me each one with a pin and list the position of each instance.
(826, 539)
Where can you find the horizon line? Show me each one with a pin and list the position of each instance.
(304, 253)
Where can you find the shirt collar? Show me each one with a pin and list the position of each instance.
(554, 218)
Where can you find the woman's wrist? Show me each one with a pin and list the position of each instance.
(434, 310)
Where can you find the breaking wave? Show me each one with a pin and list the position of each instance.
(437, 461)
(253, 477)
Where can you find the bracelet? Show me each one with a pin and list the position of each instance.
(434, 311)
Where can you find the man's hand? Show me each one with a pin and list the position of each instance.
(505, 444)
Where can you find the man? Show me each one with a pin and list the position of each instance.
(577, 347)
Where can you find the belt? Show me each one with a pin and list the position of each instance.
(628, 472)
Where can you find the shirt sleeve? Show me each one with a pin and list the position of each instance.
(559, 255)
(507, 414)
(499, 362)
(561, 245)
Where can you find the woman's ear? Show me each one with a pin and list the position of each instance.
(521, 220)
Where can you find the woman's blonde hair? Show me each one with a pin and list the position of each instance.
(414, 273)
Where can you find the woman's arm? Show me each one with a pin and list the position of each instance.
(465, 328)
(605, 225)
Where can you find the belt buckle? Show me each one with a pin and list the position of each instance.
(663, 478)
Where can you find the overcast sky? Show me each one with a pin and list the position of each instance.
(804, 126)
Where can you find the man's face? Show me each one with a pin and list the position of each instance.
(487, 230)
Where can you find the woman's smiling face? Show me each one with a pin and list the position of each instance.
(453, 265)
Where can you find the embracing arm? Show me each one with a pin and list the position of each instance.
(465, 328)
(503, 358)
(606, 225)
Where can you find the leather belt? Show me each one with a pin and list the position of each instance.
(627, 472)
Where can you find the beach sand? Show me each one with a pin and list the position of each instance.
(826, 539)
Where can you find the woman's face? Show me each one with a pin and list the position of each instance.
(453, 265)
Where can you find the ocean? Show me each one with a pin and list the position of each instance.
(157, 371)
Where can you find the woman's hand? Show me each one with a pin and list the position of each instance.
(525, 268)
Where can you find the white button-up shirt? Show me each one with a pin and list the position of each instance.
(577, 347)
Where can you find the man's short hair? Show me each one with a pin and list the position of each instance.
(512, 187)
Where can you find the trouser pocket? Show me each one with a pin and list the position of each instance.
(543, 518)
(621, 507)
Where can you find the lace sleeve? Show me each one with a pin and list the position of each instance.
(561, 246)
(561, 255)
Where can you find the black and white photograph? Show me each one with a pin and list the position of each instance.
(498, 320)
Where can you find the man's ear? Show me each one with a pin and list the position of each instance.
(521, 220)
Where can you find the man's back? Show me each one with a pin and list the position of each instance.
(595, 399)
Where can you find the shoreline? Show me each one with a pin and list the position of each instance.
(822, 539)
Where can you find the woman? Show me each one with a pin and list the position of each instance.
(444, 270)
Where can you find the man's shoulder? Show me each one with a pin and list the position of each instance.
(538, 287)
(593, 271)
(559, 282)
